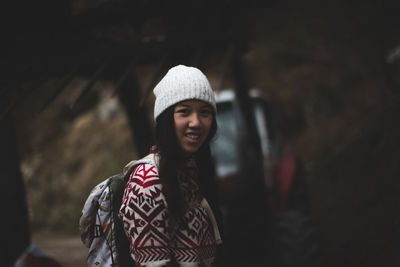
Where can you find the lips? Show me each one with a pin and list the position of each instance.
(193, 137)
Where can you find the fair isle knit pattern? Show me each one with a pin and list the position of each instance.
(179, 84)
(144, 214)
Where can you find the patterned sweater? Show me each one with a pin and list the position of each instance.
(145, 217)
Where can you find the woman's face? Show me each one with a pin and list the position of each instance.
(193, 119)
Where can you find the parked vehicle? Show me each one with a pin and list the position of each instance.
(263, 194)
(232, 142)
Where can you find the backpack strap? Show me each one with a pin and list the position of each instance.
(117, 187)
(95, 226)
(217, 235)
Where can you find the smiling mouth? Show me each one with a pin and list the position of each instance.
(193, 137)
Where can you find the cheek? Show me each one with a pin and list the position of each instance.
(179, 124)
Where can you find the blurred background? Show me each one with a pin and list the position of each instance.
(76, 106)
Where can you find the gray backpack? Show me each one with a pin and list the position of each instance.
(99, 225)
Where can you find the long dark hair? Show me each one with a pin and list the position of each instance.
(169, 151)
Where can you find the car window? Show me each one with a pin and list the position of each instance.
(225, 145)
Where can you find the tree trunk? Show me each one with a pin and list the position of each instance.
(130, 96)
(14, 223)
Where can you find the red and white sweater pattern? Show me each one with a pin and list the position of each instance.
(145, 217)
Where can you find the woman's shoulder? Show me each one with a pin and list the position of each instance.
(145, 170)
(150, 159)
(143, 181)
(145, 175)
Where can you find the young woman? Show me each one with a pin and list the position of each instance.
(165, 208)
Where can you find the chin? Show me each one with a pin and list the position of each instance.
(190, 151)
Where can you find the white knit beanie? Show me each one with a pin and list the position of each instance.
(182, 83)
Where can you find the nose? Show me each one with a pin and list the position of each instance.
(194, 120)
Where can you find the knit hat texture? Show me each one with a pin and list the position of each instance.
(179, 84)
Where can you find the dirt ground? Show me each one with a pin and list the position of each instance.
(69, 251)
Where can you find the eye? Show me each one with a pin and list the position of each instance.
(183, 111)
(205, 112)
